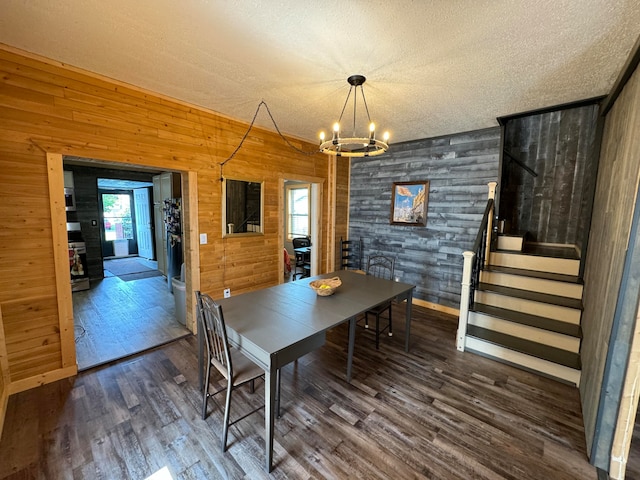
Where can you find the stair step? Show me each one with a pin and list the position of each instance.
(510, 242)
(556, 277)
(545, 352)
(522, 360)
(556, 251)
(548, 310)
(538, 263)
(522, 318)
(534, 284)
(532, 296)
(525, 332)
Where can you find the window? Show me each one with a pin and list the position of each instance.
(118, 224)
(297, 211)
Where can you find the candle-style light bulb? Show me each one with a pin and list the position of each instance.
(372, 131)
(336, 131)
(385, 136)
(321, 137)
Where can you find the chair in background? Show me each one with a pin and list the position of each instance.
(351, 254)
(231, 363)
(303, 259)
(380, 266)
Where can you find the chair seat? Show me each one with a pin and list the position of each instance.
(243, 368)
(379, 309)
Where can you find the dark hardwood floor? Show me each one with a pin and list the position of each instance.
(117, 318)
(432, 413)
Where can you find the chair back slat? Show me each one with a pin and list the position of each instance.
(215, 334)
(381, 266)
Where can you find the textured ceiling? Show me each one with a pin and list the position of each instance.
(433, 67)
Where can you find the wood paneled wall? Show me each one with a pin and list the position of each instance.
(458, 168)
(46, 107)
(559, 147)
(613, 212)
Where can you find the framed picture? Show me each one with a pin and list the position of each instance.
(409, 202)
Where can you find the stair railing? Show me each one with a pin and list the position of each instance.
(474, 262)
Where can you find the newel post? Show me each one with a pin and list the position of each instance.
(465, 295)
(492, 195)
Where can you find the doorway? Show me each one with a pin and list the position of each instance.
(301, 218)
(129, 307)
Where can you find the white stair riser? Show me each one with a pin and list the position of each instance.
(506, 242)
(545, 337)
(535, 364)
(556, 312)
(532, 262)
(541, 285)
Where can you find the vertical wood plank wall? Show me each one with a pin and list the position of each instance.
(46, 107)
(616, 189)
(458, 168)
(559, 146)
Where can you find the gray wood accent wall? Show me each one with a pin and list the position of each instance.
(458, 168)
(560, 146)
(613, 212)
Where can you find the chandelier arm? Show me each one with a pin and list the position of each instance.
(345, 103)
(366, 107)
(355, 102)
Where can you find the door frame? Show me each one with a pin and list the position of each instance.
(315, 190)
(189, 184)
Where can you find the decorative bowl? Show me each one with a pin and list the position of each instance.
(326, 286)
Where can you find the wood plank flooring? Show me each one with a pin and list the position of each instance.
(115, 319)
(433, 413)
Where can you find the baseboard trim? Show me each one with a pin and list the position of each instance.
(38, 380)
(435, 306)
(4, 401)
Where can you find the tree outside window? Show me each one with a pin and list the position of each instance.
(298, 206)
(118, 224)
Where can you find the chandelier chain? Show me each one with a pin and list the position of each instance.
(253, 120)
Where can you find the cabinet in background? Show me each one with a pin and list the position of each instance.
(165, 186)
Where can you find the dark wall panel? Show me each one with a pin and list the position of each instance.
(458, 168)
(560, 147)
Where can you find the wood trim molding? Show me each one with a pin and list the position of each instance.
(625, 74)
(38, 380)
(4, 375)
(192, 244)
(436, 307)
(61, 259)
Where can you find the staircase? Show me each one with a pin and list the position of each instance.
(527, 307)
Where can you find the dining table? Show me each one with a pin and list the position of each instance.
(276, 325)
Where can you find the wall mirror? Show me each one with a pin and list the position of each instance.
(242, 207)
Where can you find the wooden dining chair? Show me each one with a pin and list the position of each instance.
(380, 266)
(235, 367)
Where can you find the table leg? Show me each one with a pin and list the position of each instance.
(407, 327)
(352, 338)
(270, 382)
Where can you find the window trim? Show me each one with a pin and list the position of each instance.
(288, 214)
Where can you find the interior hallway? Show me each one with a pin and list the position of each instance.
(117, 318)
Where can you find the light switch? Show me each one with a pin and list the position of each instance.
(203, 238)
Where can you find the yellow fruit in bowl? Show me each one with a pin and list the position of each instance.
(324, 287)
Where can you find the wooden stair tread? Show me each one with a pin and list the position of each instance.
(557, 277)
(568, 253)
(551, 354)
(533, 296)
(536, 321)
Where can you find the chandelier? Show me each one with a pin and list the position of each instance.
(354, 146)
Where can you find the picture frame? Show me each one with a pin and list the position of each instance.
(409, 201)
